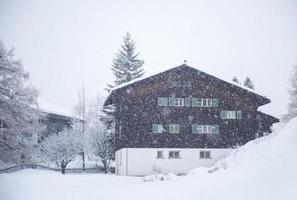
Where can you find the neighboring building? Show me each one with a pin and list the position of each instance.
(56, 119)
(181, 119)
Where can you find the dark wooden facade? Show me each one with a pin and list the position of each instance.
(137, 109)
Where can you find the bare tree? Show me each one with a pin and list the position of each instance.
(81, 111)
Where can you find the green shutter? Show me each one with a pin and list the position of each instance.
(194, 102)
(159, 101)
(171, 101)
(223, 114)
(199, 102)
(215, 102)
(216, 129)
(199, 128)
(239, 114)
(187, 102)
(194, 128)
(155, 128)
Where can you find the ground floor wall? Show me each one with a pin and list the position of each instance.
(146, 161)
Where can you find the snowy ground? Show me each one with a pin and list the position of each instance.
(262, 169)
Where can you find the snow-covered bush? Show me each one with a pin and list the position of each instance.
(101, 144)
(62, 148)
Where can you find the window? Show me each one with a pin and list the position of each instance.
(205, 128)
(174, 128)
(208, 103)
(179, 102)
(204, 102)
(205, 155)
(157, 128)
(231, 114)
(181, 84)
(174, 154)
(162, 101)
(160, 155)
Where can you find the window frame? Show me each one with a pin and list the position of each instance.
(205, 154)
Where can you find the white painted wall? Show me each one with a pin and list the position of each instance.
(143, 161)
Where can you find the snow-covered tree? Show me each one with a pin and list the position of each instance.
(62, 148)
(292, 106)
(101, 144)
(248, 83)
(19, 115)
(235, 79)
(126, 66)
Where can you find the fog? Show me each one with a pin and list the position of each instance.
(65, 43)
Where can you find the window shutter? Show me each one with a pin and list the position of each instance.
(187, 102)
(216, 129)
(215, 102)
(171, 101)
(223, 114)
(194, 128)
(194, 102)
(155, 128)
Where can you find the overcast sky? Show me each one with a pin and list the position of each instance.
(62, 43)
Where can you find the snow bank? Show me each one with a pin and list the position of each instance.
(262, 168)
(159, 177)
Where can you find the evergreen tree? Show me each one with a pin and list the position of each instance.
(292, 106)
(248, 83)
(126, 66)
(234, 79)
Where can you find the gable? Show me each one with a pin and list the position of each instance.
(160, 81)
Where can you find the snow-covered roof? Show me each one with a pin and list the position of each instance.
(54, 109)
(184, 65)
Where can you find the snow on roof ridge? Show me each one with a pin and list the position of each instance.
(48, 107)
(215, 75)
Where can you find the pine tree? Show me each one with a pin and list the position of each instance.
(292, 106)
(19, 114)
(248, 83)
(235, 79)
(126, 66)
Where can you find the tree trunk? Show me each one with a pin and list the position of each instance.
(105, 165)
(63, 169)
